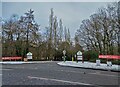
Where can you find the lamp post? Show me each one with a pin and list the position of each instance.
(64, 52)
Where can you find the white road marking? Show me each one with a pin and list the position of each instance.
(105, 74)
(69, 71)
(0, 74)
(57, 80)
(5, 69)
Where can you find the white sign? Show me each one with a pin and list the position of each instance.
(79, 55)
(64, 52)
(98, 62)
(29, 55)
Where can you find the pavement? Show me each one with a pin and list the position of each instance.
(51, 74)
(90, 65)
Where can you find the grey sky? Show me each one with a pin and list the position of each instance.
(72, 13)
(0, 9)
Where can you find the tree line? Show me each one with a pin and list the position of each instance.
(101, 32)
(23, 34)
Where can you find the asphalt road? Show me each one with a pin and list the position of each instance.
(49, 73)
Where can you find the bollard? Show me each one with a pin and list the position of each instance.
(109, 63)
(64, 58)
(72, 58)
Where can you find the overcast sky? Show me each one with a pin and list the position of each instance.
(72, 13)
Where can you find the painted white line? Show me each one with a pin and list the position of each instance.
(70, 71)
(5, 69)
(57, 80)
(104, 74)
(0, 74)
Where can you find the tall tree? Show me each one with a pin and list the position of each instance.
(51, 34)
(118, 11)
(28, 19)
(100, 32)
(55, 27)
(65, 33)
(61, 30)
(68, 36)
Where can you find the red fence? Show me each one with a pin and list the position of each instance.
(12, 58)
(109, 57)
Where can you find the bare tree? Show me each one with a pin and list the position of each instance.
(100, 32)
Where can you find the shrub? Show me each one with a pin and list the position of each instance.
(90, 55)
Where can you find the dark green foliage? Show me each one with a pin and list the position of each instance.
(90, 55)
(116, 62)
(58, 55)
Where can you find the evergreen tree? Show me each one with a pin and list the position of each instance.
(68, 36)
(65, 33)
(60, 30)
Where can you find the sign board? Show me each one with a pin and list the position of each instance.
(109, 57)
(29, 55)
(64, 52)
(79, 58)
(79, 55)
(11, 58)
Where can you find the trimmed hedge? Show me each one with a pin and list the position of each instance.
(90, 55)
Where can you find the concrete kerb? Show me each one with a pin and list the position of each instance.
(88, 65)
(19, 62)
(22, 62)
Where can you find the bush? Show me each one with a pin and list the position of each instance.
(90, 55)
(68, 58)
(58, 55)
(116, 62)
